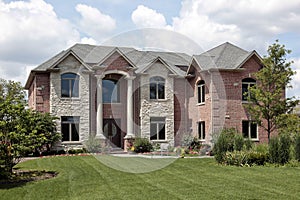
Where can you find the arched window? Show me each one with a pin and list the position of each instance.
(157, 88)
(111, 91)
(201, 91)
(246, 84)
(69, 85)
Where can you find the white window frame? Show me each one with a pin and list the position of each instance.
(201, 92)
(247, 83)
(250, 122)
(201, 130)
(71, 87)
(157, 121)
(161, 82)
(75, 121)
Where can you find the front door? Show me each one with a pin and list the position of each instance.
(112, 131)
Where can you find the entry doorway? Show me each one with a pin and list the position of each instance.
(112, 131)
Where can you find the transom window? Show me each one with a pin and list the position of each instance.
(250, 130)
(246, 84)
(201, 91)
(157, 88)
(69, 85)
(111, 91)
(201, 130)
(70, 128)
(157, 128)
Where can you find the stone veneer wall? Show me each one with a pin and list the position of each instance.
(71, 106)
(157, 108)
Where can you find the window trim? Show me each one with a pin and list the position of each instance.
(200, 92)
(158, 121)
(75, 121)
(71, 87)
(249, 82)
(249, 130)
(157, 83)
(201, 130)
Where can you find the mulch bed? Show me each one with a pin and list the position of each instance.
(21, 177)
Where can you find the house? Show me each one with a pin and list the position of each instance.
(118, 93)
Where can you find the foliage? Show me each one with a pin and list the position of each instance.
(224, 143)
(142, 145)
(279, 149)
(267, 98)
(297, 147)
(238, 142)
(273, 150)
(93, 145)
(284, 148)
(289, 124)
(21, 130)
(245, 158)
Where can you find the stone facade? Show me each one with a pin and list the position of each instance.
(78, 107)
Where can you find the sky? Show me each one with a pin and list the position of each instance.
(35, 30)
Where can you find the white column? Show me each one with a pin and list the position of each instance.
(129, 108)
(99, 120)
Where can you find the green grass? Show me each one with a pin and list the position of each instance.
(84, 177)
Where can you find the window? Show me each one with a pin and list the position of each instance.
(246, 84)
(70, 128)
(249, 130)
(111, 91)
(201, 91)
(157, 128)
(201, 130)
(157, 88)
(69, 85)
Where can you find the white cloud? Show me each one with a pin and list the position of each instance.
(31, 31)
(144, 17)
(94, 23)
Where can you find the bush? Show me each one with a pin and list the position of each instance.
(238, 142)
(142, 145)
(93, 145)
(297, 147)
(284, 149)
(225, 142)
(273, 150)
(245, 158)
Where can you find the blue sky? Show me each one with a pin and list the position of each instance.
(32, 31)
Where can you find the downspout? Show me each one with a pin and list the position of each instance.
(211, 105)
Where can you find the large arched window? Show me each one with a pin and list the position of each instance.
(111, 91)
(157, 87)
(201, 91)
(246, 84)
(69, 85)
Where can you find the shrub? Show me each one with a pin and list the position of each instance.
(195, 145)
(142, 145)
(225, 142)
(273, 150)
(93, 145)
(238, 142)
(297, 147)
(245, 158)
(284, 148)
(248, 144)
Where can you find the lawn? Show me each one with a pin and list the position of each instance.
(85, 177)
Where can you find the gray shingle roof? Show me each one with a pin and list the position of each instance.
(224, 56)
(92, 55)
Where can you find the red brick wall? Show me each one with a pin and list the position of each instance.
(228, 110)
(39, 93)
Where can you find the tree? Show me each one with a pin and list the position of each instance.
(267, 99)
(21, 130)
